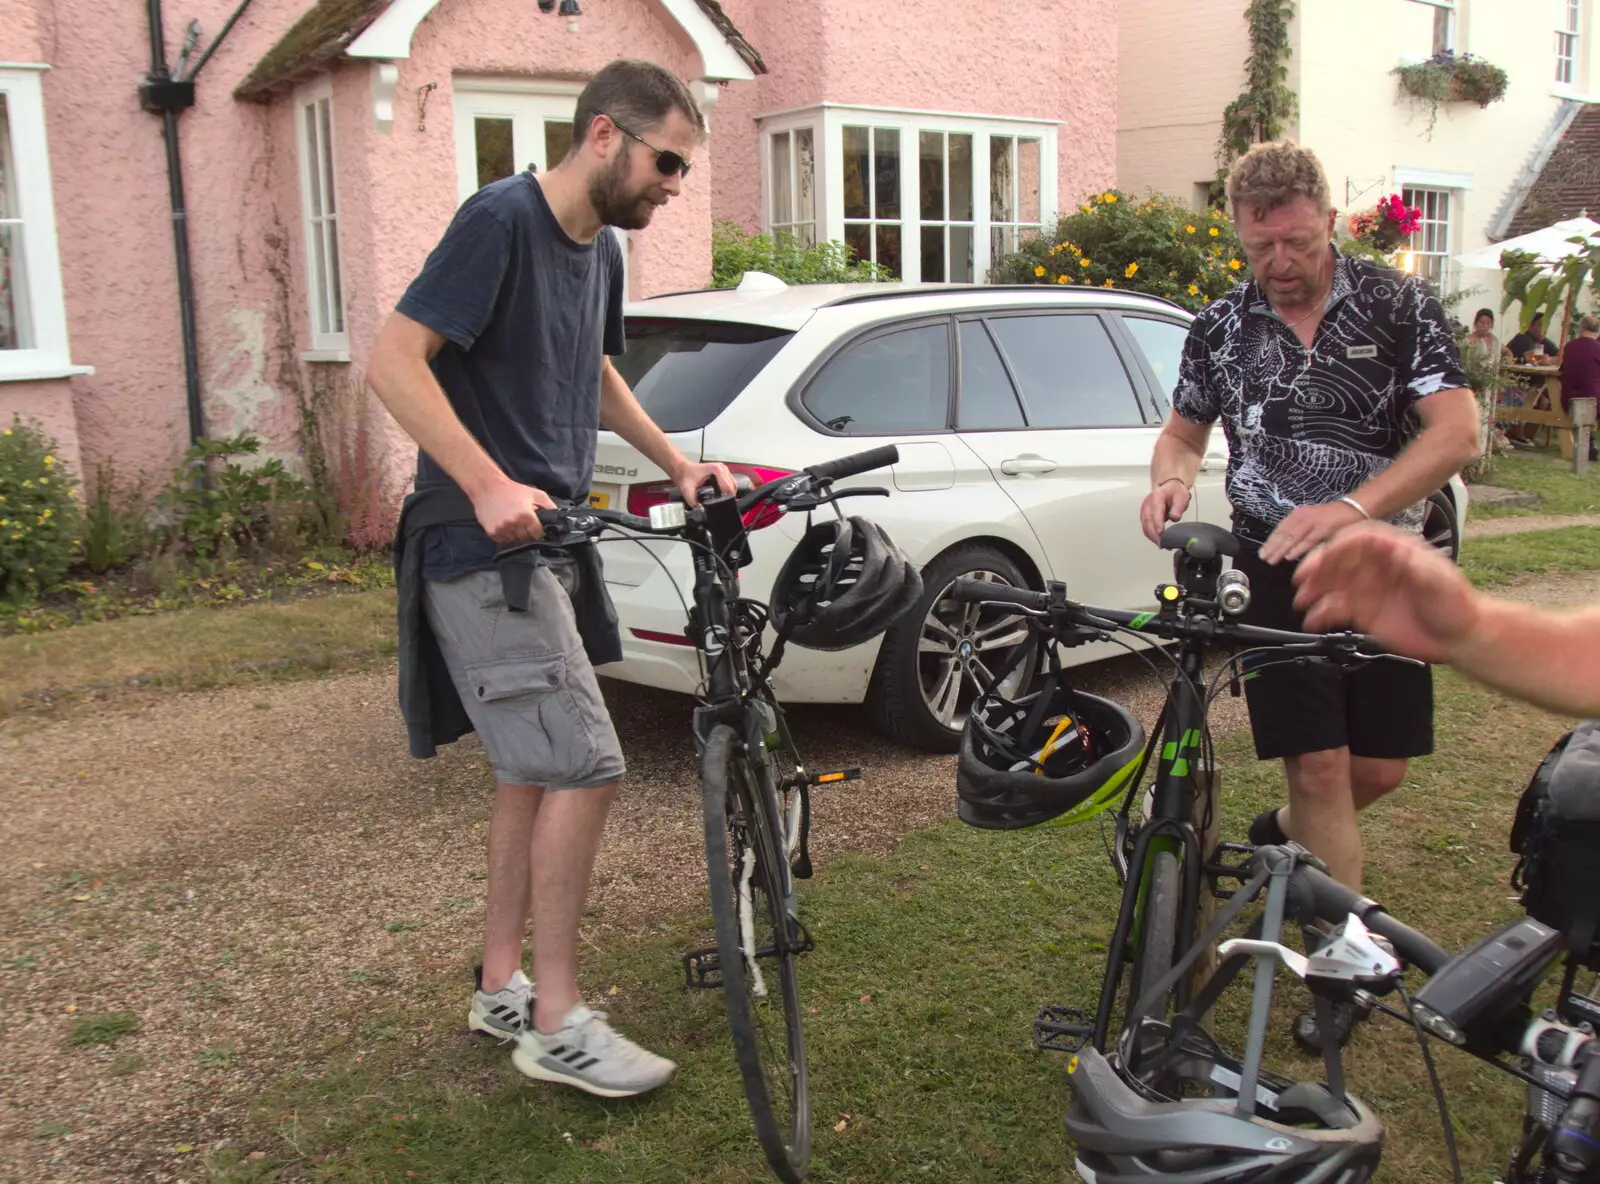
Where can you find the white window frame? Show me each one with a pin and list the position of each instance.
(326, 318)
(48, 355)
(828, 121)
(1449, 14)
(1449, 274)
(785, 145)
(1569, 45)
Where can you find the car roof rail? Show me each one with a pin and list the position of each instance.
(952, 289)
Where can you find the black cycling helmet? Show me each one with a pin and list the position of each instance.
(1300, 1133)
(1052, 753)
(844, 584)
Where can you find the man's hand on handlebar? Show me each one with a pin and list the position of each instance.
(696, 474)
(509, 512)
(1163, 505)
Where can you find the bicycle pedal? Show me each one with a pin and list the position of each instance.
(1061, 1029)
(851, 774)
(702, 969)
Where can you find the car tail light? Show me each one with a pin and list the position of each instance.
(654, 493)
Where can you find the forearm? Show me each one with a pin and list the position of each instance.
(1549, 659)
(1175, 456)
(620, 413)
(1439, 452)
(407, 387)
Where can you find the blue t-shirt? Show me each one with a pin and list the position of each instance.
(527, 315)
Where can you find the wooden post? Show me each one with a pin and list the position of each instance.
(1583, 421)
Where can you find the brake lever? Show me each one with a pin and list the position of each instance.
(811, 501)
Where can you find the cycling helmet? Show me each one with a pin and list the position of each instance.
(1300, 1132)
(844, 584)
(1052, 753)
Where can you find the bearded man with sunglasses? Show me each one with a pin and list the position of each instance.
(495, 361)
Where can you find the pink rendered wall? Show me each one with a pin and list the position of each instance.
(1043, 59)
(50, 405)
(241, 171)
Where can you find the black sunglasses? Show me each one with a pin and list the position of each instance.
(667, 161)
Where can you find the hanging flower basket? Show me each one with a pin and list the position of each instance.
(1387, 226)
(1451, 77)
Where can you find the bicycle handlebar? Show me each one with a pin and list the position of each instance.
(1315, 894)
(849, 466)
(1173, 628)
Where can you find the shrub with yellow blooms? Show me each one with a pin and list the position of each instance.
(40, 520)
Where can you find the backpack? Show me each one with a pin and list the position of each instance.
(1557, 836)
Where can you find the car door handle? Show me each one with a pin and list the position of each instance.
(1210, 461)
(1027, 465)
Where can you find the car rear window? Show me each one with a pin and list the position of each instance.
(686, 372)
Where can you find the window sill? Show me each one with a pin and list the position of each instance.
(325, 355)
(1565, 90)
(43, 372)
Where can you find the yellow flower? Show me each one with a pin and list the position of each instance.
(1190, 229)
(1038, 271)
(1086, 210)
(27, 485)
(1194, 290)
(1215, 233)
(48, 461)
(48, 511)
(1234, 265)
(1084, 261)
(7, 432)
(1133, 270)
(1064, 278)
(1110, 199)
(44, 480)
(1111, 283)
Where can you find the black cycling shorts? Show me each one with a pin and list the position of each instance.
(1383, 710)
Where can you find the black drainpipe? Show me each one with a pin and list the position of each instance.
(162, 94)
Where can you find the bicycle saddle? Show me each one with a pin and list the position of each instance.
(1199, 540)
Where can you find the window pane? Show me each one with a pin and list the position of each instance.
(1002, 183)
(930, 177)
(858, 237)
(335, 290)
(961, 254)
(313, 154)
(325, 155)
(987, 397)
(961, 178)
(1068, 371)
(886, 173)
(493, 141)
(782, 181)
(319, 278)
(889, 249)
(1001, 240)
(857, 170)
(16, 331)
(1028, 181)
(933, 254)
(806, 232)
(805, 167)
(897, 382)
(1161, 342)
(1441, 30)
(685, 373)
(557, 141)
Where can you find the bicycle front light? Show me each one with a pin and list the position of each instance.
(1233, 591)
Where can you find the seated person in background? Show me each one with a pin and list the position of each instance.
(1580, 363)
(1531, 344)
(1482, 340)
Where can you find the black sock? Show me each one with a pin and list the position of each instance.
(1265, 831)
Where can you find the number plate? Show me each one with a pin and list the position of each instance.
(599, 501)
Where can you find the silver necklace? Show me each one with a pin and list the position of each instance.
(1308, 316)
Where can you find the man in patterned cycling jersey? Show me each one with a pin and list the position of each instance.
(1340, 389)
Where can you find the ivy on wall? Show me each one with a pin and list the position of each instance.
(1263, 111)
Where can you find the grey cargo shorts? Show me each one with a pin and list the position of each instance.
(525, 680)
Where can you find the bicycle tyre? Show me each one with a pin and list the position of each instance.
(740, 817)
(1158, 930)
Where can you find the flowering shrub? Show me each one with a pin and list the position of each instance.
(1155, 246)
(1387, 226)
(39, 516)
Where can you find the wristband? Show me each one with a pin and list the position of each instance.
(1350, 501)
(1179, 480)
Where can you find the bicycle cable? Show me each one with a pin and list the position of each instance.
(1433, 1078)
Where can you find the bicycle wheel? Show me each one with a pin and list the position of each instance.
(1158, 929)
(756, 940)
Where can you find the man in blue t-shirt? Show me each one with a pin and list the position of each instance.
(495, 361)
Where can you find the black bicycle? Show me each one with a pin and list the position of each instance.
(756, 790)
(1161, 859)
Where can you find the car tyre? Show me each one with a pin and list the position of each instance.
(1441, 528)
(923, 685)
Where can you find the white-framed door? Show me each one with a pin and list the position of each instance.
(503, 126)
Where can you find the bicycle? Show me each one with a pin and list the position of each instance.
(1159, 860)
(756, 790)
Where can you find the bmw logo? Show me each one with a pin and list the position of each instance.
(965, 651)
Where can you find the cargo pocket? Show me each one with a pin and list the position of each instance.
(534, 732)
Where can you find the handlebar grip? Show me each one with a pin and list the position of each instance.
(976, 590)
(860, 462)
(1316, 894)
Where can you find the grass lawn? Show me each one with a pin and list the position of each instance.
(1521, 558)
(928, 970)
(1542, 471)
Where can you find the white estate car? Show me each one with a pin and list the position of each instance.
(1025, 419)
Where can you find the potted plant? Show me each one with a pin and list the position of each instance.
(1386, 227)
(1450, 77)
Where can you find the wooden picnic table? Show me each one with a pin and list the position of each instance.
(1545, 379)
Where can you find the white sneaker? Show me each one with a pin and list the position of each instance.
(587, 1053)
(506, 1012)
